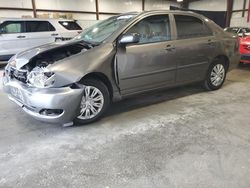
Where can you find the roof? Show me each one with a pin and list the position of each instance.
(34, 19)
(170, 12)
(163, 11)
(167, 11)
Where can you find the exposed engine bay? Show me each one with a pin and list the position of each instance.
(35, 72)
(54, 55)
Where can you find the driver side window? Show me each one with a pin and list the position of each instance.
(152, 29)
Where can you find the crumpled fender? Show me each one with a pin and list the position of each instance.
(72, 69)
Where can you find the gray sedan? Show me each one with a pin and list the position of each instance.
(119, 57)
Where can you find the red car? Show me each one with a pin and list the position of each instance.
(244, 37)
(245, 49)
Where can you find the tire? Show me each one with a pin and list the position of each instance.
(216, 75)
(95, 92)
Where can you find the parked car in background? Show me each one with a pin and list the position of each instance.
(245, 49)
(119, 57)
(244, 38)
(240, 31)
(17, 35)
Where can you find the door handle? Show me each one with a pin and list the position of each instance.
(170, 48)
(21, 36)
(54, 34)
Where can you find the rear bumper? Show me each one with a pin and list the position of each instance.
(61, 103)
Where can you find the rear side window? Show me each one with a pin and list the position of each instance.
(39, 26)
(70, 25)
(190, 27)
(12, 27)
(152, 29)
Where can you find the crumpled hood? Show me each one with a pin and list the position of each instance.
(24, 57)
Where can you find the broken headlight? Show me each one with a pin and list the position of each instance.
(40, 77)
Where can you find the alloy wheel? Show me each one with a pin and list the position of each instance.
(91, 104)
(217, 75)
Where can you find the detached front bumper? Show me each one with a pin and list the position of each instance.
(53, 105)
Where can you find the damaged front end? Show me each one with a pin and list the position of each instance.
(33, 66)
(40, 90)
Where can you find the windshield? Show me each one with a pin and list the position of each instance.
(102, 30)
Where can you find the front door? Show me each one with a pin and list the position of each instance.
(150, 63)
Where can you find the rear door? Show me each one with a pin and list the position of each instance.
(13, 38)
(39, 33)
(195, 47)
(150, 63)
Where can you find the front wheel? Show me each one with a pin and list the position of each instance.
(216, 76)
(95, 101)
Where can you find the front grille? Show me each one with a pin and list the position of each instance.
(20, 75)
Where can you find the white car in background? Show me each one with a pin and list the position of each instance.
(17, 35)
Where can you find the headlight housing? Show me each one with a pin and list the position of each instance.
(40, 77)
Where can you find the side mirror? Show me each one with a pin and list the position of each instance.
(131, 38)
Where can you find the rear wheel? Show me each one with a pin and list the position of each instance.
(216, 75)
(95, 101)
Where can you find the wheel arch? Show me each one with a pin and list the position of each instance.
(225, 60)
(99, 76)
